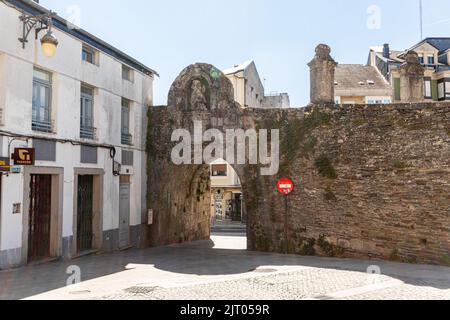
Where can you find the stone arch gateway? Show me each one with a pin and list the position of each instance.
(372, 181)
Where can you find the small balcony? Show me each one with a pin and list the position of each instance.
(126, 139)
(42, 125)
(87, 132)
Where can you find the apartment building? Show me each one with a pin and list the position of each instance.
(79, 116)
(434, 55)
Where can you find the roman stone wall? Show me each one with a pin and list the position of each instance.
(371, 181)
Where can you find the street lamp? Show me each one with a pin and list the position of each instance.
(49, 44)
(40, 22)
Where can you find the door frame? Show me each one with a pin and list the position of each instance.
(97, 209)
(56, 220)
(1, 207)
(128, 183)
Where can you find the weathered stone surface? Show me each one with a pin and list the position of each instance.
(322, 69)
(411, 79)
(372, 181)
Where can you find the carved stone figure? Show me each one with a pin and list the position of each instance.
(198, 96)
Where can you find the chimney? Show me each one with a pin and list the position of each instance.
(386, 51)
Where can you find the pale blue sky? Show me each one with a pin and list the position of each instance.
(280, 35)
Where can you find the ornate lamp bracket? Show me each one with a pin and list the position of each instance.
(38, 22)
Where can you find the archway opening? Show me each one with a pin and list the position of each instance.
(228, 214)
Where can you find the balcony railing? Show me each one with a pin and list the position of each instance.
(126, 138)
(42, 126)
(88, 132)
(442, 68)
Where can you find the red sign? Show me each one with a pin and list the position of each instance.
(285, 186)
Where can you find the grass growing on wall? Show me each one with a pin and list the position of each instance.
(296, 138)
(325, 167)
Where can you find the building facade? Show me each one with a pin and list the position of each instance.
(249, 90)
(226, 194)
(83, 112)
(434, 56)
(359, 84)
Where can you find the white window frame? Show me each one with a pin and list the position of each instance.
(92, 52)
(125, 124)
(42, 122)
(87, 129)
(427, 88)
(127, 73)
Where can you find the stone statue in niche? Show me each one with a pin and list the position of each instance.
(198, 100)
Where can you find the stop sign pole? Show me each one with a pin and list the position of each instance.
(286, 187)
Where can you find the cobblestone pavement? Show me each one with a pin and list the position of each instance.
(222, 269)
(313, 283)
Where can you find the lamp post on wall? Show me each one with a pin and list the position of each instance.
(41, 22)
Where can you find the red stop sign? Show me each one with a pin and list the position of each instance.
(285, 186)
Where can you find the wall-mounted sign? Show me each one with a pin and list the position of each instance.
(4, 165)
(16, 169)
(23, 156)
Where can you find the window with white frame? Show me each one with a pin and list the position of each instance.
(87, 130)
(126, 137)
(42, 99)
(127, 73)
(441, 90)
(421, 58)
(447, 89)
(427, 89)
(219, 170)
(89, 55)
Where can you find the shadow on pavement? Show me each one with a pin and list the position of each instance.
(199, 258)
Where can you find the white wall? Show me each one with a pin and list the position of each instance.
(69, 71)
(238, 82)
(231, 180)
(255, 97)
(248, 89)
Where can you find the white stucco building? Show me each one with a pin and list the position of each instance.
(249, 89)
(84, 113)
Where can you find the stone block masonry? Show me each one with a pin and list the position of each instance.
(373, 182)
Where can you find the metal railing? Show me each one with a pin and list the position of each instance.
(126, 138)
(442, 68)
(87, 132)
(42, 125)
